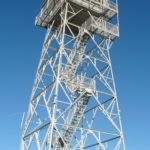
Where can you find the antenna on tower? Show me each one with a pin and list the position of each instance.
(22, 120)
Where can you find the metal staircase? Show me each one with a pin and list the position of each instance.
(77, 113)
(83, 95)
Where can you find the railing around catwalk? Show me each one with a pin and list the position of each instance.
(100, 25)
(76, 81)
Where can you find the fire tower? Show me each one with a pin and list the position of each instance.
(73, 105)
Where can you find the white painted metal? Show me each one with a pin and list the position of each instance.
(74, 103)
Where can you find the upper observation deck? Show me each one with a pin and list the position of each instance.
(99, 8)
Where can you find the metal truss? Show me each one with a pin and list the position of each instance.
(74, 103)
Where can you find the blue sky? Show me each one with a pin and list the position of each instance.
(20, 47)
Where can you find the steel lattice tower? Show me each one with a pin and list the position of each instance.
(74, 103)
